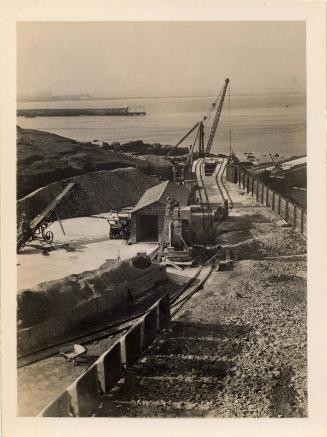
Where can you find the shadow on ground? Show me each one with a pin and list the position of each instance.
(238, 228)
(184, 368)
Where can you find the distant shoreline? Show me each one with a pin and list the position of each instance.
(77, 112)
(92, 98)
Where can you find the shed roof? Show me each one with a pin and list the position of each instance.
(160, 192)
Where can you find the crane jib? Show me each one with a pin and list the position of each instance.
(216, 119)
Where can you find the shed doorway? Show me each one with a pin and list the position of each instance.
(148, 228)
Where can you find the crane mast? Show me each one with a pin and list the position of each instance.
(216, 119)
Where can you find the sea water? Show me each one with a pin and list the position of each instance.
(261, 124)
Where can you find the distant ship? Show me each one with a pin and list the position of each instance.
(75, 112)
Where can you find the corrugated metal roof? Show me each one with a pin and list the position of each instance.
(160, 192)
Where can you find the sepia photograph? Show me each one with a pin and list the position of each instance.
(161, 212)
(165, 237)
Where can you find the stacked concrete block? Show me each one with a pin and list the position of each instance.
(82, 397)
(110, 367)
(270, 195)
(60, 407)
(133, 345)
(84, 393)
(151, 325)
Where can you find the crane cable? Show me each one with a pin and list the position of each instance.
(230, 123)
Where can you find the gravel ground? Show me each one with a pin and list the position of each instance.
(238, 347)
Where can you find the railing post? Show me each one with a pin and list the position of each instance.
(273, 201)
(262, 190)
(278, 204)
(294, 218)
(267, 194)
(286, 211)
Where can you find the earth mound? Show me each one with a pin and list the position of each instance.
(93, 193)
(43, 158)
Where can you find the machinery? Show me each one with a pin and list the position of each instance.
(36, 229)
(177, 252)
(119, 223)
(204, 150)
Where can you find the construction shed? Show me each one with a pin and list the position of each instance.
(147, 217)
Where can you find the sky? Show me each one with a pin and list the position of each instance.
(149, 59)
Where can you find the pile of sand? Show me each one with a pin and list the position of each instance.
(93, 193)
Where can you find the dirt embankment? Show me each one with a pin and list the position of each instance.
(58, 299)
(43, 158)
(93, 193)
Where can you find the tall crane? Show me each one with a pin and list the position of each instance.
(217, 117)
(184, 138)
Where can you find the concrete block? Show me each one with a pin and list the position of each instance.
(270, 195)
(304, 223)
(151, 327)
(123, 353)
(84, 393)
(133, 344)
(290, 213)
(164, 312)
(110, 368)
(299, 218)
(58, 408)
(283, 208)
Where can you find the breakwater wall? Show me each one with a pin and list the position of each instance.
(76, 112)
(83, 396)
(291, 212)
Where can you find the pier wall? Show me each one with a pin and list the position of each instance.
(291, 212)
(83, 396)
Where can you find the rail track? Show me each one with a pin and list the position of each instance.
(178, 297)
(219, 177)
(221, 186)
(177, 300)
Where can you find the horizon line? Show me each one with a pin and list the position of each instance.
(93, 97)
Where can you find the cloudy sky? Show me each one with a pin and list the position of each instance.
(146, 59)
